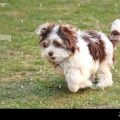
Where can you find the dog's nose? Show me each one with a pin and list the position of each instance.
(50, 53)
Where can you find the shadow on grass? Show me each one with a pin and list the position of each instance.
(38, 88)
(55, 88)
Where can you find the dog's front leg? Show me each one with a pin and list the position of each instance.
(75, 80)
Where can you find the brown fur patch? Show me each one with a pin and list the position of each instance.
(92, 33)
(67, 34)
(114, 32)
(96, 49)
(45, 32)
(114, 36)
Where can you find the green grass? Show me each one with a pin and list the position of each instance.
(26, 80)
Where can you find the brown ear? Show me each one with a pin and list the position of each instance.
(67, 34)
(43, 30)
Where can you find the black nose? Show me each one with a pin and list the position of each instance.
(50, 53)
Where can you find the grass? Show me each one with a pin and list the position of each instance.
(26, 80)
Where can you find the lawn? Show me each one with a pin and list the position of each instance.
(28, 81)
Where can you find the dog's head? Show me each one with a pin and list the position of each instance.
(58, 42)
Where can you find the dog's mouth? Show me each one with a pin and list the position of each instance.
(53, 58)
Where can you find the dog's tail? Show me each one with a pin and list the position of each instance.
(114, 36)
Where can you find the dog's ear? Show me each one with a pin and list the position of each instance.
(69, 28)
(68, 35)
(43, 30)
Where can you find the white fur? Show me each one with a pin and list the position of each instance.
(79, 68)
(116, 25)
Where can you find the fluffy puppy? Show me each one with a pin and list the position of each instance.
(79, 55)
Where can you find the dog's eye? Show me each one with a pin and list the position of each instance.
(56, 44)
(45, 45)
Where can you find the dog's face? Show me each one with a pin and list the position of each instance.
(58, 42)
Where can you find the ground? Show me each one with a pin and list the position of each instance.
(28, 81)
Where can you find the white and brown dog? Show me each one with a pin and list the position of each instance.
(79, 55)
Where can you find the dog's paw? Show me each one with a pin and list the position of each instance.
(85, 84)
(104, 84)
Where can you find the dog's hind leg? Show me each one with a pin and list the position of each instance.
(104, 76)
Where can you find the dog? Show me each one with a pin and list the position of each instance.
(80, 56)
